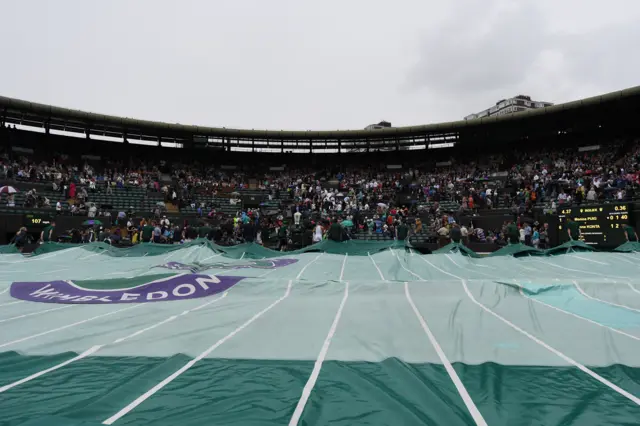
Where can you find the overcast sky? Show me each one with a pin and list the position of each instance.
(330, 64)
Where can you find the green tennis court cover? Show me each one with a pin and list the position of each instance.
(340, 334)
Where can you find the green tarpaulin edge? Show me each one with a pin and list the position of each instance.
(517, 250)
(568, 247)
(629, 247)
(457, 248)
(247, 250)
(9, 249)
(352, 247)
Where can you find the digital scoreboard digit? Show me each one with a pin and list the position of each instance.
(602, 225)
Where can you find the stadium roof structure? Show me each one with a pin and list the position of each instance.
(608, 110)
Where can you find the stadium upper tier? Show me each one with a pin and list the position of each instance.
(616, 112)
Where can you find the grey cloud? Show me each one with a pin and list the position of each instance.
(607, 56)
(501, 51)
(335, 65)
(491, 49)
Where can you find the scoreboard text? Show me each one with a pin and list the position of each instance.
(601, 225)
(36, 221)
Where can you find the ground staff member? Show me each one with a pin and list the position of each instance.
(47, 233)
(147, 232)
(630, 233)
(573, 229)
(512, 233)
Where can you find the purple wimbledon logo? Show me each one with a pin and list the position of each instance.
(177, 287)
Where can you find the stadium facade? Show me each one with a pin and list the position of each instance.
(597, 119)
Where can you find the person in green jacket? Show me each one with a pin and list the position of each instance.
(513, 234)
(630, 233)
(283, 237)
(204, 231)
(573, 229)
(402, 232)
(147, 232)
(336, 231)
(47, 233)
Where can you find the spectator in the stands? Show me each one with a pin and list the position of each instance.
(103, 234)
(76, 236)
(248, 231)
(464, 234)
(317, 233)
(116, 236)
(443, 236)
(88, 236)
(544, 236)
(157, 234)
(527, 234)
(536, 238)
(455, 233)
(178, 235)
(480, 235)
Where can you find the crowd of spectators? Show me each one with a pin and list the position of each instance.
(368, 199)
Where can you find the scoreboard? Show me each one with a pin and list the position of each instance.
(600, 225)
(36, 221)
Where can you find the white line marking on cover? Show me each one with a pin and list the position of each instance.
(308, 387)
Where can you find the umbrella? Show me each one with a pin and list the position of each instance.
(8, 190)
(161, 204)
(92, 222)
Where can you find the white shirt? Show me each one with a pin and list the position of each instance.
(296, 217)
(317, 235)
